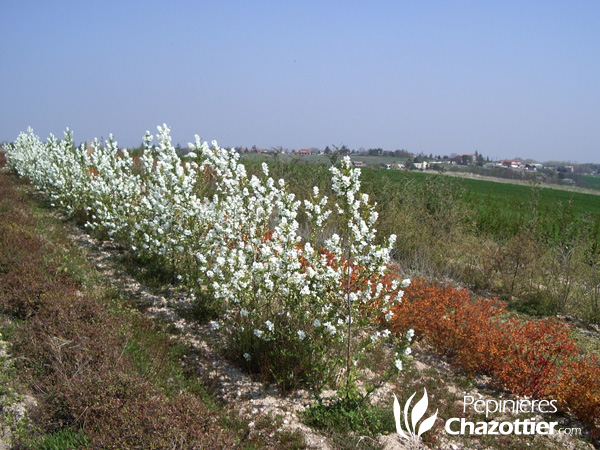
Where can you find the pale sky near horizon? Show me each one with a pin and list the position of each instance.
(506, 78)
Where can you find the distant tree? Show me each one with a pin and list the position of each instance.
(336, 153)
(137, 151)
(402, 154)
(343, 150)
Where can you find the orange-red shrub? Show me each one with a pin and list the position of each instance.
(535, 357)
(578, 388)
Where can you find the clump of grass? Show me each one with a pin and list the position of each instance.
(349, 415)
(63, 440)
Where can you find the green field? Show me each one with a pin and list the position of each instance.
(372, 161)
(508, 193)
(499, 208)
(592, 181)
(581, 203)
(496, 207)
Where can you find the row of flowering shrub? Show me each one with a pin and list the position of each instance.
(293, 303)
(537, 358)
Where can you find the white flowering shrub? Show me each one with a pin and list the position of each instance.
(56, 167)
(115, 190)
(169, 215)
(297, 310)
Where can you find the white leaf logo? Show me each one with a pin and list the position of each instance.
(417, 414)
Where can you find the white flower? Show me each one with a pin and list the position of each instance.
(247, 356)
(407, 351)
(316, 323)
(398, 364)
(244, 312)
(330, 328)
(258, 333)
(215, 325)
(409, 334)
(270, 326)
(405, 282)
(305, 290)
(301, 335)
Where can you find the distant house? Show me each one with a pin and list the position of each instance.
(400, 166)
(302, 151)
(533, 167)
(511, 163)
(467, 158)
(359, 164)
(421, 165)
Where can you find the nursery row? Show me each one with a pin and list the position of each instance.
(290, 304)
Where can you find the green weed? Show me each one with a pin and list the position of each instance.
(65, 439)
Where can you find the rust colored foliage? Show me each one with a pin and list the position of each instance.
(536, 357)
(360, 276)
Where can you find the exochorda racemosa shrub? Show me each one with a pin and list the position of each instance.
(295, 310)
(290, 306)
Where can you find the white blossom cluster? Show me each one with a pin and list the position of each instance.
(232, 234)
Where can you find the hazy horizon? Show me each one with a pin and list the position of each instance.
(507, 79)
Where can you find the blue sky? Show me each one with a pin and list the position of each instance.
(505, 78)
